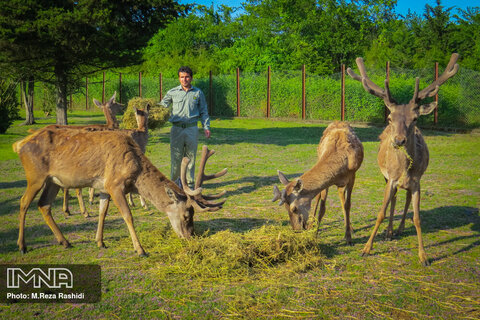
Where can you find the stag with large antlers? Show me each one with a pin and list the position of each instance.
(340, 154)
(403, 155)
(106, 160)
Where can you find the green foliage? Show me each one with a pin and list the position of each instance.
(8, 104)
(62, 41)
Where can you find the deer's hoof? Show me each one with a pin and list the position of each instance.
(66, 244)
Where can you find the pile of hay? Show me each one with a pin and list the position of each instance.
(156, 119)
(229, 254)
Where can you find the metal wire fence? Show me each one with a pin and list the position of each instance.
(279, 94)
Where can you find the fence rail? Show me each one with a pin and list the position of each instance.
(295, 94)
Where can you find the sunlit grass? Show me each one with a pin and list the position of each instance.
(245, 261)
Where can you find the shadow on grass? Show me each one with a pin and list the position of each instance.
(13, 184)
(255, 182)
(277, 136)
(433, 221)
(286, 136)
(34, 235)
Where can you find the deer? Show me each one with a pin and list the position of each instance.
(340, 155)
(113, 163)
(403, 154)
(110, 108)
(139, 135)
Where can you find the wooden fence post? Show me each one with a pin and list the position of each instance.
(304, 102)
(140, 84)
(238, 92)
(386, 111)
(86, 93)
(268, 91)
(435, 115)
(342, 112)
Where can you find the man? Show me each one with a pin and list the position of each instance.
(188, 107)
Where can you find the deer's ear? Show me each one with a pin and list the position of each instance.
(425, 109)
(97, 103)
(298, 186)
(283, 179)
(112, 99)
(175, 197)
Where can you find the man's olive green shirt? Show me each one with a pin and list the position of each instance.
(187, 106)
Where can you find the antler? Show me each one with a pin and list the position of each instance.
(432, 89)
(369, 85)
(201, 176)
(196, 199)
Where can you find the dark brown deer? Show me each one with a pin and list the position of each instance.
(340, 155)
(403, 154)
(110, 161)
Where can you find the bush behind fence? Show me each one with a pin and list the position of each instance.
(459, 97)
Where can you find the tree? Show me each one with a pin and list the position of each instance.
(61, 41)
(8, 104)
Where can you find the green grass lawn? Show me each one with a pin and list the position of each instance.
(245, 261)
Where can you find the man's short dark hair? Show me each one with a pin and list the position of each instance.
(186, 70)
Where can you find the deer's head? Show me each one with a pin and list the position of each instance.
(295, 200)
(185, 201)
(110, 109)
(403, 117)
(141, 115)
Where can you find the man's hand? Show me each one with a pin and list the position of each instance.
(207, 134)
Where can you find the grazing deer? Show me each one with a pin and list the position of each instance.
(110, 161)
(110, 108)
(340, 154)
(403, 154)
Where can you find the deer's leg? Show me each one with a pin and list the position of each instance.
(118, 198)
(387, 195)
(91, 194)
(416, 221)
(130, 200)
(66, 196)
(45, 206)
(401, 227)
(322, 198)
(27, 198)
(143, 203)
(345, 195)
(103, 208)
(389, 233)
(81, 203)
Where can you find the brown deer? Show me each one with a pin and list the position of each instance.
(403, 154)
(340, 154)
(110, 109)
(139, 135)
(110, 161)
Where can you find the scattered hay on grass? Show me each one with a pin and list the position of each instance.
(157, 117)
(226, 253)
